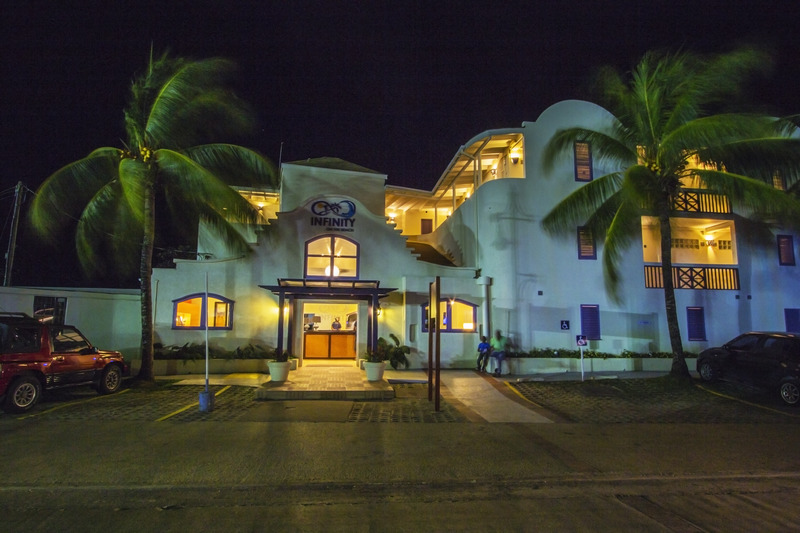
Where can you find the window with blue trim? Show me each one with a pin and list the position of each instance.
(792, 317)
(583, 161)
(696, 322)
(193, 312)
(590, 322)
(455, 316)
(786, 250)
(331, 256)
(586, 245)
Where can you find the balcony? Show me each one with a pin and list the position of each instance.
(697, 201)
(694, 277)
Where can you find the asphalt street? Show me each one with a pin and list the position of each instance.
(278, 468)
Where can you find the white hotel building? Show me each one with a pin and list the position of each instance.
(337, 242)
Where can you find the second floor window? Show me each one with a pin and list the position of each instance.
(786, 250)
(331, 256)
(586, 244)
(583, 161)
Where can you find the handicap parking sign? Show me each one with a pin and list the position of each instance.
(581, 340)
(565, 324)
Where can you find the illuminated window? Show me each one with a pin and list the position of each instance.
(331, 256)
(455, 316)
(190, 312)
(586, 245)
(583, 161)
(778, 181)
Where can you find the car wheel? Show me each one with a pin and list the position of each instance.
(111, 380)
(22, 395)
(790, 392)
(708, 372)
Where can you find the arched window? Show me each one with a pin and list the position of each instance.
(191, 311)
(455, 316)
(331, 256)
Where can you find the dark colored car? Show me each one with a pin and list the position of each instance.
(763, 359)
(37, 356)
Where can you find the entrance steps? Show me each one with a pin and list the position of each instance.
(321, 382)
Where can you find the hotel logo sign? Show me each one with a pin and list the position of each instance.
(334, 214)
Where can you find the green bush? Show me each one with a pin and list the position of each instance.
(192, 351)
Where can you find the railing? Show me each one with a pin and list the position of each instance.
(694, 201)
(694, 277)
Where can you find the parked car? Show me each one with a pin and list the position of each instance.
(763, 359)
(37, 356)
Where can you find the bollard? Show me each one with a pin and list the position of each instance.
(206, 401)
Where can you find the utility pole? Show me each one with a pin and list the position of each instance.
(12, 240)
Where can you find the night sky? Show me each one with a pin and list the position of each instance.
(396, 86)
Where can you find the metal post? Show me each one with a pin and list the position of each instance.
(12, 240)
(206, 399)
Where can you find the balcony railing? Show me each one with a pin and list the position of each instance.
(695, 201)
(694, 277)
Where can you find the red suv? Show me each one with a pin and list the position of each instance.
(36, 356)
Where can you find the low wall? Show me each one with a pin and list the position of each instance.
(544, 365)
(513, 366)
(173, 367)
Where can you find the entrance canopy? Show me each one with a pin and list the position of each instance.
(300, 289)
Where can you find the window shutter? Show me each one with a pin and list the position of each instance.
(590, 322)
(696, 321)
(583, 161)
(792, 320)
(786, 250)
(586, 244)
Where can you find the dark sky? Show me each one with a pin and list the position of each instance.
(394, 86)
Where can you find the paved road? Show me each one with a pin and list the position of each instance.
(68, 469)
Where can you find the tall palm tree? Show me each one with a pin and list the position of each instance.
(664, 120)
(176, 107)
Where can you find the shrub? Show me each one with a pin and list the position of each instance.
(192, 351)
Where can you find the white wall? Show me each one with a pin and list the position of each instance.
(110, 318)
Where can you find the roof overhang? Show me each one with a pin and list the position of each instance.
(478, 155)
(329, 288)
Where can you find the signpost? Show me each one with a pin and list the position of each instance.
(434, 344)
(206, 398)
(581, 342)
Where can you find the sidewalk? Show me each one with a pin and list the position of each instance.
(489, 397)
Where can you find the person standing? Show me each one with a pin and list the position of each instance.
(483, 354)
(499, 345)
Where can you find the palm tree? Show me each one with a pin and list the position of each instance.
(664, 122)
(175, 107)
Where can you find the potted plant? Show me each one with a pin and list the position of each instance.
(279, 367)
(385, 351)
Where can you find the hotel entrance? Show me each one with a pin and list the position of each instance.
(330, 330)
(354, 302)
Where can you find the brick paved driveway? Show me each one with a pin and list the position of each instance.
(656, 400)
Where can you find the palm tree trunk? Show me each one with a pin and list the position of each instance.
(145, 271)
(679, 367)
